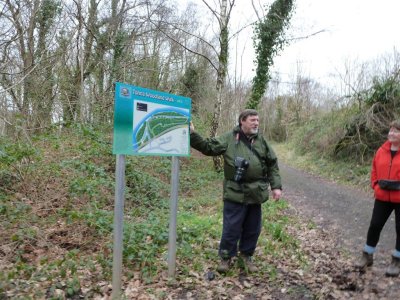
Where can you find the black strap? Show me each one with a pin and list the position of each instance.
(246, 141)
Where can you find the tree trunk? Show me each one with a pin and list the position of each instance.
(269, 37)
(221, 74)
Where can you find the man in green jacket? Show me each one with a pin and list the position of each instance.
(250, 166)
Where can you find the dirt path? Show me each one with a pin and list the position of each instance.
(345, 210)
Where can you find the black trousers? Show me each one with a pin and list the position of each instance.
(241, 227)
(380, 214)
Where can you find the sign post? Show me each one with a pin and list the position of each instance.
(172, 218)
(147, 122)
(118, 224)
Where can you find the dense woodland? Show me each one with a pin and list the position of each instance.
(59, 61)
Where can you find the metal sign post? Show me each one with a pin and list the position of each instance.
(118, 226)
(172, 219)
(147, 122)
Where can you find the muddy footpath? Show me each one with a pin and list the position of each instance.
(344, 213)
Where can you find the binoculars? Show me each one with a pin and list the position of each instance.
(241, 166)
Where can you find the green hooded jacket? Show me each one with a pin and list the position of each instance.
(261, 172)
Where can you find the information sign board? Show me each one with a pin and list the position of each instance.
(149, 122)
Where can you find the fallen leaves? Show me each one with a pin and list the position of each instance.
(327, 274)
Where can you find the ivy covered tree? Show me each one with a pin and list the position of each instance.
(268, 41)
(192, 83)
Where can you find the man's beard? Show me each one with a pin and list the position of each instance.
(254, 130)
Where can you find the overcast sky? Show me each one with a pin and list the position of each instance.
(358, 30)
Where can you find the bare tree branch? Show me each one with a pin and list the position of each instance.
(212, 10)
(256, 11)
(240, 30)
(184, 46)
(307, 36)
(193, 35)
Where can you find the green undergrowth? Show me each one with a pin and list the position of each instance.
(56, 216)
(342, 171)
(338, 145)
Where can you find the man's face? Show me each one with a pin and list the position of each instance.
(250, 125)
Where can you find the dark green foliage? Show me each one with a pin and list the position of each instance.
(269, 40)
(278, 130)
(385, 91)
(192, 83)
(89, 178)
(120, 41)
(368, 128)
(353, 133)
(12, 152)
(144, 189)
(15, 160)
(144, 240)
(223, 56)
(47, 13)
(62, 211)
(360, 141)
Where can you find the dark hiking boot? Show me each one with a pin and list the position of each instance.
(248, 264)
(394, 267)
(224, 265)
(366, 260)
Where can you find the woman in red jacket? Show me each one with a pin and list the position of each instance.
(385, 180)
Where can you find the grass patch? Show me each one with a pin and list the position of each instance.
(57, 219)
(344, 172)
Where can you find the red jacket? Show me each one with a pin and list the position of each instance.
(385, 167)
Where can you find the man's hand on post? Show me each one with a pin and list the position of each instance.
(191, 127)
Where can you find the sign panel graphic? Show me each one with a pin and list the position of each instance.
(149, 122)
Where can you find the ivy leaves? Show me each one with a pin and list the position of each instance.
(268, 41)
